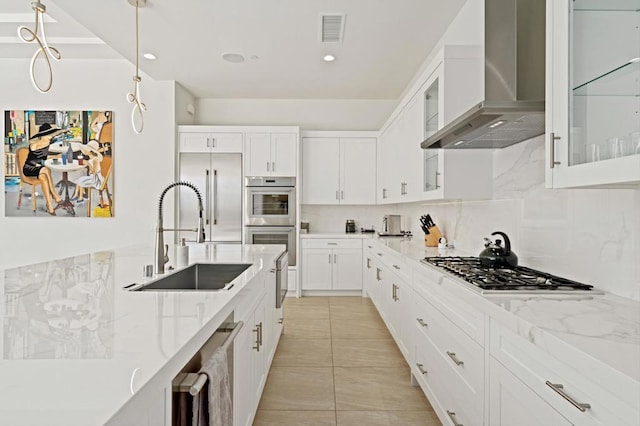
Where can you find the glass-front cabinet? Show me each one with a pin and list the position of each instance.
(431, 126)
(593, 93)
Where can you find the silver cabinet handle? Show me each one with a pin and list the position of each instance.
(329, 257)
(215, 197)
(384, 193)
(393, 293)
(273, 166)
(452, 416)
(421, 322)
(378, 274)
(257, 331)
(281, 320)
(423, 371)
(337, 195)
(455, 359)
(207, 193)
(397, 293)
(437, 174)
(558, 388)
(368, 263)
(342, 195)
(379, 254)
(552, 150)
(335, 258)
(396, 266)
(332, 244)
(261, 344)
(208, 143)
(268, 166)
(213, 142)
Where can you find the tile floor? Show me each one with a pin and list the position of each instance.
(338, 365)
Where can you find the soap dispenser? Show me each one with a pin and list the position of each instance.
(182, 254)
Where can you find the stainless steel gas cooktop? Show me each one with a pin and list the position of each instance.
(519, 279)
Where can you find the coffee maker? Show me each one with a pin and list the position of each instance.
(350, 226)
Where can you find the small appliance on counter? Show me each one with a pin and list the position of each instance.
(391, 226)
(304, 227)
(350, 226)
(432, 235)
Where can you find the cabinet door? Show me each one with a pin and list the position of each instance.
(411, 158)
(321, 171)
(513, 403)
(226, 143)
(257, 154)
(433, 121)
(195, 142)
(316, 269)
(260, 356)
(347, 269)
(357, 171)
(593, 95)
(284, 154)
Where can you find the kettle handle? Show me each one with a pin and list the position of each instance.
(507, 242)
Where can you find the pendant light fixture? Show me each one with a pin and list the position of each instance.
(48, 52)
(137, 117)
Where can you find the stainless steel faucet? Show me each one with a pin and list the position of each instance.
(162, 250)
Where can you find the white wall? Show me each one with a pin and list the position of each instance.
(183, 99)
(144, 164)
(308, 114)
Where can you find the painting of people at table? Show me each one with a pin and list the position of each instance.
(58, 163)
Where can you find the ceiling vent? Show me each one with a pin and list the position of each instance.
(332, 27)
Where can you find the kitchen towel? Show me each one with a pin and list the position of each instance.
(212, 406)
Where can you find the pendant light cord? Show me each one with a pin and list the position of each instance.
(137, 117)
(48, 52)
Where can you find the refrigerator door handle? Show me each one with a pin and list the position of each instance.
(208, 200)
(215, 197)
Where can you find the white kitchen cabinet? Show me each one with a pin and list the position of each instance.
(593, 94)
(206, 140)
(331, 264)
(452, 85)
(271, 154)
(513, 403)
(338, 170)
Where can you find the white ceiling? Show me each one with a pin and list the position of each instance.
(385, 42)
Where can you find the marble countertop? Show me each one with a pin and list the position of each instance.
(605, 327)
(76, 346)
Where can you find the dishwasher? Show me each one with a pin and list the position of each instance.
(189, 383)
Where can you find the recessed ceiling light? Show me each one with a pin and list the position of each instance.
(149, 56)
(329, 58)
(496, 124)
(233, 58)
(458, 143)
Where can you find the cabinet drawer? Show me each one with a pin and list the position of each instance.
(463, 356)
(452, 396)
(455, 301)
(331, 243)
(613, 400)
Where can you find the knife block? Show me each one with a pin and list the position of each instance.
(431, 239)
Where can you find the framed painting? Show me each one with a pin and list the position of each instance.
(58, 163)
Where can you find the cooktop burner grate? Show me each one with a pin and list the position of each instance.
(519, 278)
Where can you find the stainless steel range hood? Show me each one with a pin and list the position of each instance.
(513, 106)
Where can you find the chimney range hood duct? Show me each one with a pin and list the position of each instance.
(514, 67)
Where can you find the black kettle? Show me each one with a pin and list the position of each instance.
(496, 256)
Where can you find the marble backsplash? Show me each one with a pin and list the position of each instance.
(589, 235)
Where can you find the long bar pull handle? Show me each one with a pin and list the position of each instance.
(342, 195)
(421, 322)
(268, 164)
(329, 257)
(368, 263)
(260, 326)
(384, 193)
(422, 370)
(257, 346)
(560, 390)
(215, 197)
(337, 195)
(208, 143)
(213, 142)
(452, 416)
(273, 166)
(454, 358)
(552, 150)
(437, 174)
(335, 258)
(393, 291)
(207, 194)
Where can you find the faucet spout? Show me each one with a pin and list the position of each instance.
(161, 250)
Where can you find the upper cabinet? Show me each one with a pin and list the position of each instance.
(271, 154)
(451, 84)
(338, 168)
(209, 139)
(593, 93)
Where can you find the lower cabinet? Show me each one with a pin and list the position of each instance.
(334, 264)
(514, 403)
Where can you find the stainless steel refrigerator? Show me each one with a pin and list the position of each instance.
(219, 179)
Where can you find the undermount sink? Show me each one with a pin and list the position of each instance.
(198, 277)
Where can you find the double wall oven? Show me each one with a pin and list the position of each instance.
(270, 212)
